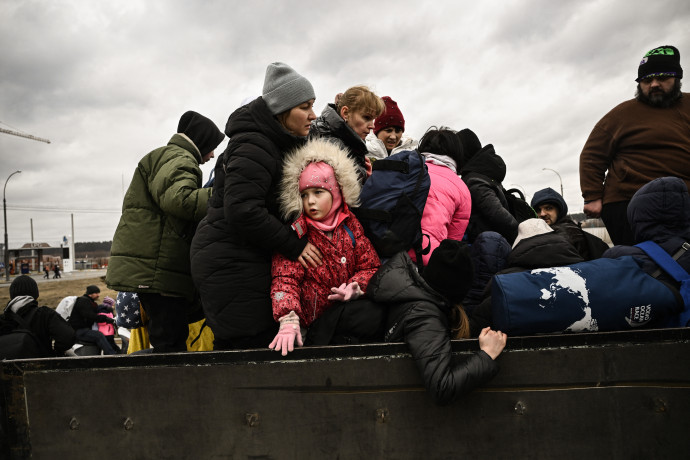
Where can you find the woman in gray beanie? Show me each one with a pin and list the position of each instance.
(232, 248)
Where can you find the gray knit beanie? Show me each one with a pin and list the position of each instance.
(284, 88)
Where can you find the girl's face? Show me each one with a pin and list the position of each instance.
(299, 118)
(360, 122)
(316, 202)
(390, 136)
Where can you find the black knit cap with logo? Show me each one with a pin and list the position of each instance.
(663, 61)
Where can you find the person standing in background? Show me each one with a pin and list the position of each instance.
(162, 207)
(637, 141)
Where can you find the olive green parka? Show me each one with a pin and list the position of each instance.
(160, 212)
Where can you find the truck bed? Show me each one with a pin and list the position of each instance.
(617, 395)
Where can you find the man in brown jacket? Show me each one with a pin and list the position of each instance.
(636, 142)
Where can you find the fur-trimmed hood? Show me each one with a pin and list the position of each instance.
(313, 151)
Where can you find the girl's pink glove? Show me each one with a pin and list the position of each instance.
(346, 292)
(289, 331)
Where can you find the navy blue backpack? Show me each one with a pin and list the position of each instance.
(673, 268)
(597, 295)
(392, 204)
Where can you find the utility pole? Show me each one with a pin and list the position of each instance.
(4, 213)
(559, 179)
(4, 203)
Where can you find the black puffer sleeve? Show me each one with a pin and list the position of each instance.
(426, 333)
(252, 176)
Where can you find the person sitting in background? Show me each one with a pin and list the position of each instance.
(107, 329)
(449, 203)
(552, 208)
(53, 332)
(350, 120)
(483, 171)
(388, 136)
(85, 314)
(425, 312)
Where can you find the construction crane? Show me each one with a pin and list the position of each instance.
(28, 136)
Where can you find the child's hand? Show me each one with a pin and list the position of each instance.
(284, 341)
(492, 342)
(346, 292)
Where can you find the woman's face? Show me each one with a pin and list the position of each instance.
(299, 118)
(360, 122)
(390, 136)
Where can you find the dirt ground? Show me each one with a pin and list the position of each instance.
(51, 292)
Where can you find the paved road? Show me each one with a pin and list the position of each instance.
(75, 275)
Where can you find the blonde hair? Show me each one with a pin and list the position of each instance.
(361, 99)
(459, 323)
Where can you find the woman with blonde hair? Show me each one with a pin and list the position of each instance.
(349, 120)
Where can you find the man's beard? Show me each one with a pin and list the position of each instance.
(659, 98)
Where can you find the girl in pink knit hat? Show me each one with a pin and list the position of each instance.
(324, 304)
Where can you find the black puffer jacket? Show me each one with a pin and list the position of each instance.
(55, 335)
(659, 211)
(419, 317)
(489, 254)
(85, 313)
(483, 175)
(540, 251)
(330, 125)
(232, 248)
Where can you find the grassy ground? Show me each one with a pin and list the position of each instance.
(50, 293)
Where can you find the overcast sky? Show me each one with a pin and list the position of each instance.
(106, 82)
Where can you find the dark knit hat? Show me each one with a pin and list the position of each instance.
(470, 143)
(450, 271)
(392, 116)
(92, 289)
(284, 88)
(24, 285)
(202, 131)
(663, 61)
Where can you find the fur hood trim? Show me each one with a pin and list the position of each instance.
(313, 151)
